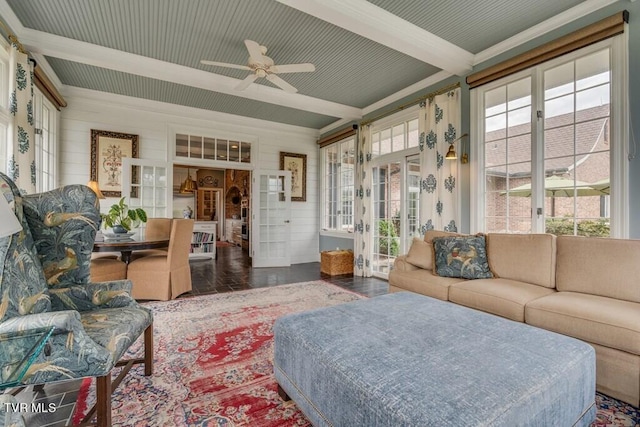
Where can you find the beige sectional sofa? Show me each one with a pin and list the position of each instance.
(587, 288)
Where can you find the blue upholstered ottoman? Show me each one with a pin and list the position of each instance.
(408, 360)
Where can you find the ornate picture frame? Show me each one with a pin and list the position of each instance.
(297, 165)
(107, 150)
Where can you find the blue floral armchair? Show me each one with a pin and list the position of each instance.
(44, 281)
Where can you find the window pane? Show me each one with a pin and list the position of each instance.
(495, 101)
(398, 138)
(413, 137)
(592, 103)
(495, 153)
(221, 149)
(245, 152)
(558, 81)
(385, 141)
(182, 145)
(592, 70)
(234, 151)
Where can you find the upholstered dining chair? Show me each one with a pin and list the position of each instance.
(164, 276)
(44, 282)
(106, 269)
(155, 228)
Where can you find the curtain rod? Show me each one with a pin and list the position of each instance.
(412, 103)
(13, 38)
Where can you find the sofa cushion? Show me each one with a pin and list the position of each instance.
(462, 256)
(427, 264)
(599, 266)
(606, 321)
(420, 254)
(529, 258)
(504, 297)
(423, 282)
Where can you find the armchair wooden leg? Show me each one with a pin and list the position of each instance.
(148, 350)
(103, 400)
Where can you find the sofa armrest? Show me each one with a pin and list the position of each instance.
(92, 296)
(401, 264)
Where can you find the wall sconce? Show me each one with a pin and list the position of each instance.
(452, 155)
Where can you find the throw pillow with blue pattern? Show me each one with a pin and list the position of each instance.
(464, 257)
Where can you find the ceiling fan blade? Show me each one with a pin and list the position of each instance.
(224, 64)
(281, 83)
(246, 82)
(255, 52)
(292, 68)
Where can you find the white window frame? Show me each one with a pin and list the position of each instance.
(401, 118)
(42, 106)
(324, 231)
(619, 114)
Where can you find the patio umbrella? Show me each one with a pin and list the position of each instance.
(556, 186)
(603, 185)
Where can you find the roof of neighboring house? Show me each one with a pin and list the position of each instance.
(513, 145)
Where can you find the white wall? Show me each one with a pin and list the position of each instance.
(152, 121)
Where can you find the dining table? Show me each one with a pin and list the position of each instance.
(126, 245)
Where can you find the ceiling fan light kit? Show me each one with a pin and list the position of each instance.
(263, 67)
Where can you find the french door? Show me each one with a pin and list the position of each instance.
(147, 184)
(271, 219)
(396, 215)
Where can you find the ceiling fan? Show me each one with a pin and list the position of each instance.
(263, 66)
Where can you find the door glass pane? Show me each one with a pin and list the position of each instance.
(413, 202)
(273, 228)
(508, 153)
(576, 146)
(387, 200)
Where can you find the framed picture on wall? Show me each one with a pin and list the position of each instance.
(107, 151)
(297, 165)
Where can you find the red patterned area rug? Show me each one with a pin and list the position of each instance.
(213, 361)
(213, 365)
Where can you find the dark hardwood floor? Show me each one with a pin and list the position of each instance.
(230, 272)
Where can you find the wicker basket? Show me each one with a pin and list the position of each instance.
(335, 263)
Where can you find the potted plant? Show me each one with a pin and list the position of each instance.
(121, 219)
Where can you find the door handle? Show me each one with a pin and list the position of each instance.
(286, 221)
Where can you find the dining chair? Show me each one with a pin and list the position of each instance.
(155, 228)
(44, 282)
(164, 276)
(105, 269)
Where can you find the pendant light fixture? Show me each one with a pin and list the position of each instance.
(189, 185)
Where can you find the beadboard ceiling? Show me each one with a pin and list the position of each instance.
(366, 53)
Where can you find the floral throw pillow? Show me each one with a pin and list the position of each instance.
(464, 257)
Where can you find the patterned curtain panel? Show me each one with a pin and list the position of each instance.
(439, 125)
(21, 151)
(363, 241)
